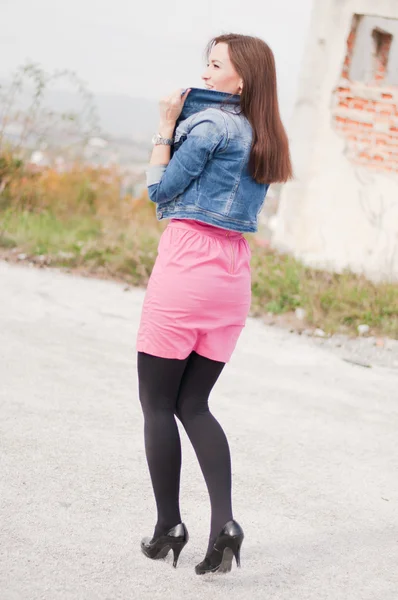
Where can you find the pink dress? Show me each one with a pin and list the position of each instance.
(199, 293)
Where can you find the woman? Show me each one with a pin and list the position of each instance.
(228, 146)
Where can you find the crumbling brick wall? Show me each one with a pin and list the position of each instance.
(366, 112)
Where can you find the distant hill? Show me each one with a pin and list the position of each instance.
(124, 116)
(120, 115)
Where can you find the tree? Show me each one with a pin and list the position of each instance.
(26, 122)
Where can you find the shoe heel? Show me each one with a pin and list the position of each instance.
(236, 552)
(159, 547)
(225, 548)
(235, 544)
(176, 552)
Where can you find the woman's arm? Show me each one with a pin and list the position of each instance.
(167, 178)
(170, 109)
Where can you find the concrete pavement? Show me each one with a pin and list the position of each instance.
(314, 445)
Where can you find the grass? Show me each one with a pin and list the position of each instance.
(77, 220)
(119, 248)
(333, 302)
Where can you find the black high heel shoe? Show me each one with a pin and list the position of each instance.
(159, 547)
(226, 546)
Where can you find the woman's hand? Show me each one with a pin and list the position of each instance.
(170, 109)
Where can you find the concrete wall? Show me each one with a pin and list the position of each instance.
(341, 211)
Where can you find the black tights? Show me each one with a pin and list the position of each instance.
(171, 387)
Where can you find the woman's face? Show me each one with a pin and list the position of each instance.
(220, 74)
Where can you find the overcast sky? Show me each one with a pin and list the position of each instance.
(147, 48)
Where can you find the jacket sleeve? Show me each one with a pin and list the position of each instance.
(206, 134)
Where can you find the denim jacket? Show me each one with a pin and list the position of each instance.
(207, 178)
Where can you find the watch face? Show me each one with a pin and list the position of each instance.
(155, 138)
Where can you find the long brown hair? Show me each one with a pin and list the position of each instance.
(254, 62)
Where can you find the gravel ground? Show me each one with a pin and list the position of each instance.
(364, 351)
(313, 442)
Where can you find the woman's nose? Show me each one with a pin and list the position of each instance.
(205, 75)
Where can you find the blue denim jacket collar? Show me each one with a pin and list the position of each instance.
(199, 99)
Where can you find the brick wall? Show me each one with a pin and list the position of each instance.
(366, 113)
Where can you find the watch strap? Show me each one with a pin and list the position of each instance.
(159, 140)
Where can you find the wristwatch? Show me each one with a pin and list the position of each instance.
(159, 140)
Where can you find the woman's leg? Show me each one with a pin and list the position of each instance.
(159, 383)
(207, 436)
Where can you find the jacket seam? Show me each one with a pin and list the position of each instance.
(207, 212)
(227, 132)
(236, 185)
